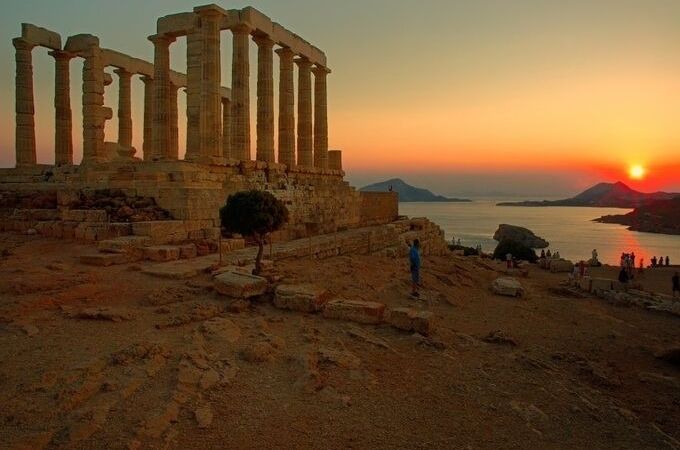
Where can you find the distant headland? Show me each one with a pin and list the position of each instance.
(408, 193)
(603, 195)
(660, 216)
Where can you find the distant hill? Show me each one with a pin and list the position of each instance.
(659, 216)
(608, 195)
(408, 193)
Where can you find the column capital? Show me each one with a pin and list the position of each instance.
(22, 44)
(146, 79)
(161, 39)
(61, 55)
(263, 40)
(285, 52)
(123, 73)
(320, 70)
(242, 28)
(303, 62)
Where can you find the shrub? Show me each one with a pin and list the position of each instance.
(516, 249)
(254, 213)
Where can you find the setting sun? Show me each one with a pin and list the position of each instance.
(637, 172)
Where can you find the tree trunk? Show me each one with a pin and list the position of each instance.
(258, 258)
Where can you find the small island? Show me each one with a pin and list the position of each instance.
(661, 216)
(408, 193)
(602, 195)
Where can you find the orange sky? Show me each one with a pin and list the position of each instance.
(581, 90)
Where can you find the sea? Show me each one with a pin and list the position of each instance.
(569, 229)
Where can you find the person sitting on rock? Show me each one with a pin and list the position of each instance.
(414, 261)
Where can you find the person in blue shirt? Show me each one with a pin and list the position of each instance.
(414, 260)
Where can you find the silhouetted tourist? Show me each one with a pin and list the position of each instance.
(548, 254)
(668, 261)
(556, 255)
(623, 276)
(542, 254)
(390, 188)
(508, 260)
(676, 284)
(414, 261)
(582, 268)
(653, 261)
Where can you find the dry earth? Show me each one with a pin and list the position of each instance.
(113, 358)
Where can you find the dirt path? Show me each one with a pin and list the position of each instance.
(113, 358)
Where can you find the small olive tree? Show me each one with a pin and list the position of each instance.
(254, 213)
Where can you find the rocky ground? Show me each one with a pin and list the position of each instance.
(114, 358)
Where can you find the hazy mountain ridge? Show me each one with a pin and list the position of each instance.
(408, 193)
(659, 216)
(607, 195)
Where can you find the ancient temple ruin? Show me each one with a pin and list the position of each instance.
(114, 191)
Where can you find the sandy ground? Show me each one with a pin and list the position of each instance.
(179, 368)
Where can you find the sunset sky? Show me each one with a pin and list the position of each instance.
(486, 97)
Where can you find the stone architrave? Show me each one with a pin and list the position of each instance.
(173, 149)
(194, 52)
(265, 99)
(320, 118)
(286, 107)
(124, 108)
(63, 121)
(210, 114)
(161, 110)
(304, 126)
(147, 145)
(25, 108)
(226, 128)
(240, 94)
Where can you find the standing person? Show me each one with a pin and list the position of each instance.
(676, 284)
(653, 261)
(668, 261)
(548, 254)
(582, 268)
(542, 254)
(414, 262)
(594, 255)
(623, 276)
(632, 260)
(508, 259)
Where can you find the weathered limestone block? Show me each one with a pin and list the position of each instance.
(601, 284)
(355, 311)
(84, 215)
(300, 297)
(187, 251)
(585, 284)
(104, 259)
(161, 253)
(507, 286)
(239, 285)
(229, 245)
(561, 265)
(161, 231)
(124, 244)
(409, 319)
(40, 36)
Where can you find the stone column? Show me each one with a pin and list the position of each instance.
(173, 148)
(320, 118)
(63, 122)
(95, 114)
(211, 103)
(25, 109)
(161, 110)
(265, 99)
(240, 94)
(124, 108)
(194, 51)
(304, 129)
(226, 128)
(147, 145)
(286, 107)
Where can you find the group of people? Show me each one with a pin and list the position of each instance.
(550, 255)
(660, 262)
(627, 265)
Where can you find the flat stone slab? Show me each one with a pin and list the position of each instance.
(123, 244)
(561, 265)
(162, 253)
(181, 269)
(104, 259)
(240, 285)
(507, 286)
(355, 311)
(300, 297)
(409, 319)
(602, 284)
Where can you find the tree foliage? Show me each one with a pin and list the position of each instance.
(516, 249)
(253, 213)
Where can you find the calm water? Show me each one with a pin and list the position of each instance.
(568, 229)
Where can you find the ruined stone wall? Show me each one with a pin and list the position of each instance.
(379, 207)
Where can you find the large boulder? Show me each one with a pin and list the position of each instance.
(522, 235)
(507, 286)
